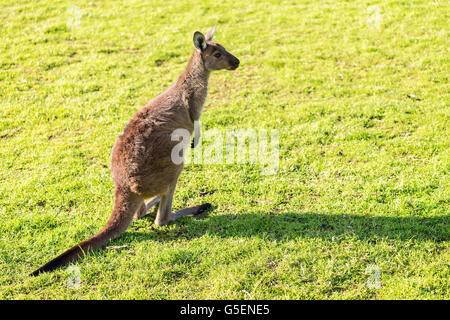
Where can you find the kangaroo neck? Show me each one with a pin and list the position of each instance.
(193, 85)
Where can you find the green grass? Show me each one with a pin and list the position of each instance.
(363, 114)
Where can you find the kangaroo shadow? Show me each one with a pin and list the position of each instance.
(289, 226)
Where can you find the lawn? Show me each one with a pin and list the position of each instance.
(358, 91)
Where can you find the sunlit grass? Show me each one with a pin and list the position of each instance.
(358, 91)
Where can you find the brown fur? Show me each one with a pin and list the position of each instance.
(141, 163)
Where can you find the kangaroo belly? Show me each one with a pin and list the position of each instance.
(155, 178)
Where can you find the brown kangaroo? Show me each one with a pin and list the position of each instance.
(141, 163)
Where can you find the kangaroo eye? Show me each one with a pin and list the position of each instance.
(217, 55)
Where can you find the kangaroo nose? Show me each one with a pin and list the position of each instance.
(233, 63)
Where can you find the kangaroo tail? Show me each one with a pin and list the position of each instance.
(125, 206)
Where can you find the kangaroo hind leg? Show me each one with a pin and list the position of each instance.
(165, 208)
(165, 214)
(143, 210)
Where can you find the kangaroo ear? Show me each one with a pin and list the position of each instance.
(210, 34)
(199, 41)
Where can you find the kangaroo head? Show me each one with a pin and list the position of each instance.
(214, 56)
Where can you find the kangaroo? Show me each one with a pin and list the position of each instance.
(141, 164)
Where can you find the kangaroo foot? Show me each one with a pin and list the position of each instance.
(195, 210)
